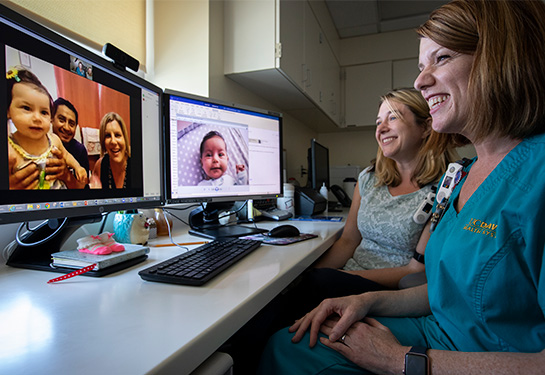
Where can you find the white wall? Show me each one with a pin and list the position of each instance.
(181, 45)
(357, 147)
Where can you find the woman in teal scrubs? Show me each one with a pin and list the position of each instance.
(482, 73)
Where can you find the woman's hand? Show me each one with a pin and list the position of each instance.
(368, 344)
(349, 309)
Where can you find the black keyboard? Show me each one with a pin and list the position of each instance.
(197, 266)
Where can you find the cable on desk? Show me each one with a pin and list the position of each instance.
(170, 230)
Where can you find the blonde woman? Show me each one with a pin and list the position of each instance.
(112, 170)
(381, 241)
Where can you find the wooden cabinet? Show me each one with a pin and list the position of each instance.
(312, 63)
(366, 83)
(277, 49)
(331, 84)
(363, 87)
(405, 72)
(292, 40)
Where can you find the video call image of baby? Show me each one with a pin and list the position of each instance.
(30, 108)
(212, 155)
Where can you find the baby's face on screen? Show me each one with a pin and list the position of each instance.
(214, 157)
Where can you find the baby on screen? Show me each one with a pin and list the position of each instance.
(215, 160)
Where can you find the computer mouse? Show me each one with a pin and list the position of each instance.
(284, 231)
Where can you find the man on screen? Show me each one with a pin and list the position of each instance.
(65, 122)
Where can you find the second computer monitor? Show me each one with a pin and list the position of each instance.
(218, 151)
(318, 165)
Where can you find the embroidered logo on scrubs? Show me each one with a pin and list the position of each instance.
(481, 227)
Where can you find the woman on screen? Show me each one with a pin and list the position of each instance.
(112, 170)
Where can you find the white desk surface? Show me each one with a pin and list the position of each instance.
(121, 324)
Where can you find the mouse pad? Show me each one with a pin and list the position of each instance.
(280, 241)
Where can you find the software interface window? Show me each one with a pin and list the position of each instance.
(249, 149)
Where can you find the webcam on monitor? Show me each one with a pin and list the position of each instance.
(121, 59)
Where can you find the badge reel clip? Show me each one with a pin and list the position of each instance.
(423, 211)
(451, 179)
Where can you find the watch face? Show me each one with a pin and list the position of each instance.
(416, 364)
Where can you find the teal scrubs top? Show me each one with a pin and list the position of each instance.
(485, 264)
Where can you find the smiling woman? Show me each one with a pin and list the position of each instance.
(112, 170)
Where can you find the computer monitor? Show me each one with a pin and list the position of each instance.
(94, 87)
(218, 153)
(318, 165)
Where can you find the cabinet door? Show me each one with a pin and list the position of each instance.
(364, 86)
(312, 63)
(405, 73)
(331, 85)
(249, 36)
(292, 40)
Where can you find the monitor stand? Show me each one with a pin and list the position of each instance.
(204, 222)
(47, 238)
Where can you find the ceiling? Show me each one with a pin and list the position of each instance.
(362, 17)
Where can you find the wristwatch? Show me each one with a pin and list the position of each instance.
(419, 257)
(416, 361)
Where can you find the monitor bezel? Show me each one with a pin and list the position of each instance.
(226, 198)
(60, 42)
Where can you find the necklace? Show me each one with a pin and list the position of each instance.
(111, 181)
(26, 155)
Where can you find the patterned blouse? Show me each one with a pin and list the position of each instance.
(389, 234)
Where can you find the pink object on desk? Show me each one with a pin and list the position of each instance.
(103, 244)
(72, 274)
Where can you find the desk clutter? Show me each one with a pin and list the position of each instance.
(78, 259)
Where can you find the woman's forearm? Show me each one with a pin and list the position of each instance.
(390, 277)
(337, 255)
(408, 302)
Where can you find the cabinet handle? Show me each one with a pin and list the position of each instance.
(309, 78)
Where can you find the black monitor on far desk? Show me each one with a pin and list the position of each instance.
(318, 165)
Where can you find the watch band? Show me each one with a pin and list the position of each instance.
(416, 361)
(419, 257)
(419, 349)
